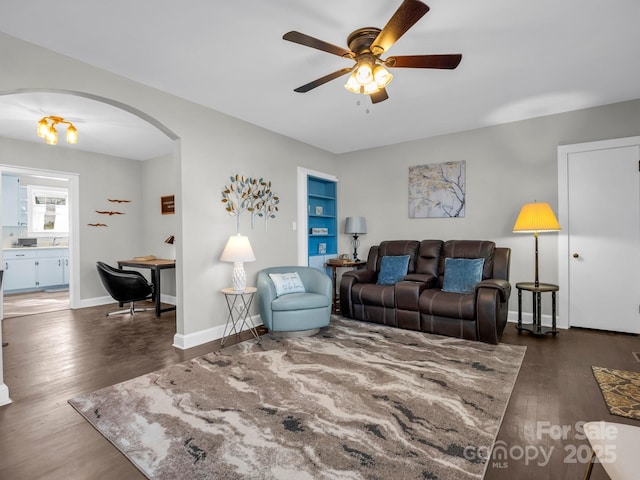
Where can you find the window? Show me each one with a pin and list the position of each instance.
(48, 210)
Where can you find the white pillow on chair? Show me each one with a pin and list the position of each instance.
(287, 283)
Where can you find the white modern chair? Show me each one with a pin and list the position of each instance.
(616, 446)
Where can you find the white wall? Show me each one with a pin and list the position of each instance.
(506, 166)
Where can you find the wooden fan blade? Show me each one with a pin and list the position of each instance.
(409, 12)
(322, 80)
(424, 61)
(307, 41)
(380, 96)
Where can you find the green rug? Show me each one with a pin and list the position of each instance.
(356, 401)
(621, 391)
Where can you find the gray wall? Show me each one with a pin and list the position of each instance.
(212, 147)
(159, 178)
(100, 177)
(506, 166)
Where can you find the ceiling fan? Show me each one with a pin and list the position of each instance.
(369, 75)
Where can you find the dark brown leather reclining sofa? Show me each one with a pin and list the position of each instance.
(418, 302)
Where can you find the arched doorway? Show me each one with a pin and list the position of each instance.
(101, 123)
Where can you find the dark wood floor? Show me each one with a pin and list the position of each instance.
(55, 356)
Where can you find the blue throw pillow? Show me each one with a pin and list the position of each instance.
(461, 275)
(393, 269)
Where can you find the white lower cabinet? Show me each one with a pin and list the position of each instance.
(35, 269)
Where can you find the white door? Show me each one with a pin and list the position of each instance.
(604, 239)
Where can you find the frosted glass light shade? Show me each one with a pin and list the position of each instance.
(72, 135)
(536, 217)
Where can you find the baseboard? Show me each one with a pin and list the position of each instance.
(183, 342)
(97, 301)
(528, 318)
(4, 395)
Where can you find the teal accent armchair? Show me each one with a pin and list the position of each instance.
(297, 314)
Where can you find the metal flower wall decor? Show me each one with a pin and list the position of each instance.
(253, 195)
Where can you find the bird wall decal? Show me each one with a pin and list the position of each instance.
(109, 212)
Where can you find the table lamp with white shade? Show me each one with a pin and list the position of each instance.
(238, 250)
(536, 218)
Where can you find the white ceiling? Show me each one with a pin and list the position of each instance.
(520, 60)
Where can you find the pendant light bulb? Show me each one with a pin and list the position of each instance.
(382, 76)
(352, 84)
(43, 128)
(364, 73)
(51, 138)
(72, 135)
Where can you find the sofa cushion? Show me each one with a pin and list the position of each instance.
(395, 248)
(461, 275)
(392, 269)
(467, 249)
(434, 301)
(300, 301)
(287, 283)
(373, 294)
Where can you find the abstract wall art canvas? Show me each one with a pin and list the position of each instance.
(437, 190)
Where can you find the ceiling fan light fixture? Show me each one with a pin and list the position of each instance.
(364, 73)
(382, 76)
(352, 84)
(370, 88)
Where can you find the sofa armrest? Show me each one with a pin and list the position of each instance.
(361, 276)
(408, 294)
(348, 280)
(503, 287)
(427, 278)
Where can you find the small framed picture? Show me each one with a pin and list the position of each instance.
(319, 210)
(322, 248)
(167, 205)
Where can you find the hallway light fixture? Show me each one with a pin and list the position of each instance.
(535, 218)
(48, 131)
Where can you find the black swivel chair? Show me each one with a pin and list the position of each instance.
(125, 286)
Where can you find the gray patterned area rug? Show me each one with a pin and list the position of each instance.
(356, 401)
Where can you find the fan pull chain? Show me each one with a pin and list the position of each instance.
(358, 103)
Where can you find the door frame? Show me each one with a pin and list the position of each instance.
(564, 317)
(74, 224)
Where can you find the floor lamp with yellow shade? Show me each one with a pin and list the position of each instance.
(536, 218)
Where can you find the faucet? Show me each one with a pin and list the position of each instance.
(56, 241)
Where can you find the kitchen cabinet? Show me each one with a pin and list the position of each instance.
(19, 270)
(35, 268)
